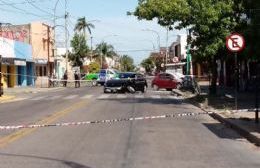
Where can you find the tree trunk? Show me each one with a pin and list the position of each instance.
(213, 85)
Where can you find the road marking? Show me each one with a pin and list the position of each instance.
(155, 96)
(121, 96)
(86, 97)
(70, 97)
(48, 120)
(173, 97)
(139, 96)
(38, 98)
(104, 96)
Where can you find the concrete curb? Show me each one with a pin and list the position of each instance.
(7, 98)
(242, 131)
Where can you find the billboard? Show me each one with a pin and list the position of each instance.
(16, 32)
(15, 49)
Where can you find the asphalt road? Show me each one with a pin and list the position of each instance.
(191, 141)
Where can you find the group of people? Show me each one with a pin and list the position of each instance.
(76, 78)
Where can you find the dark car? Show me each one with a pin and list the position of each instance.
(166, 81)
(126, 82)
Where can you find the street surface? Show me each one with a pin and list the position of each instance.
(190, 141)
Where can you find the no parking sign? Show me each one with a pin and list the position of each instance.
(235, 42)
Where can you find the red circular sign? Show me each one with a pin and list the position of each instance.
(235, 42)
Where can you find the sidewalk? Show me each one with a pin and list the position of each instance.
(12, 93)
(223, 106)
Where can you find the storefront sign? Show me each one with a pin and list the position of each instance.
(19, 62)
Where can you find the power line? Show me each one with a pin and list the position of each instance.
(33, 5)
(24, 11)
(17, 3)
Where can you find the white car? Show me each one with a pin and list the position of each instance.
(106, 74)
(178, 76)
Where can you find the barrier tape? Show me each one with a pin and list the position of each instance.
(46, 78)
(103, 121)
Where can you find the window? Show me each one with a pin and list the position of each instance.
(162, 76)
(168, 76)
(40, 74)
(45, 71)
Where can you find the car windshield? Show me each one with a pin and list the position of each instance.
(103, 71)
(126, 75)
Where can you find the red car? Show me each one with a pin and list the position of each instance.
(165, 81)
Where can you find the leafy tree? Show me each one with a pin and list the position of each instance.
(102, 51)
(80, 50)
(82, 25)
(148, 64)
(94, 67)
(209, 22)
(127, 63)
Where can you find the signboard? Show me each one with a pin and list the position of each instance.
(235, 42)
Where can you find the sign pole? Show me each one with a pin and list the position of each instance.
(256, 99)
(236, 81)
(235, 43)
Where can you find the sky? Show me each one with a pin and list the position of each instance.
(127, 34)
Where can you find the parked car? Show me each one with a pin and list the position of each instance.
(126, 82)
(105, 75)
(166, 81)
(92, 77)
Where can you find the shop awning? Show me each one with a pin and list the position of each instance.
(41, 61)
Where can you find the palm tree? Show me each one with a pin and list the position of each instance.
(104, 50)
(81, 26)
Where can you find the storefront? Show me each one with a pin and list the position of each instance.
(17, 66)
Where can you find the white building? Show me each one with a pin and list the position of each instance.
(60, 64)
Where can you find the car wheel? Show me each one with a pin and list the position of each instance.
(131, 89)
(169, 89)
(144, 89)
(178, 86)
(155, 87)
(94, 82)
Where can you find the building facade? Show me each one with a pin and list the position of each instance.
(17, 63)
(33, 43)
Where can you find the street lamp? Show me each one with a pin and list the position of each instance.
(91, 40)
(158, 37)
(66, 31)
(150, 42)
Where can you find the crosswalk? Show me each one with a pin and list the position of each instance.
(100, 97)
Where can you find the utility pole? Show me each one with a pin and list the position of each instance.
(48, 50)
(66, 34)
(1, 87)
(91, 48)
(167, 52)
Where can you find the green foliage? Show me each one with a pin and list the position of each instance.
(82, 24)
(127, 63)
(209, 22)
(94, 67)
(148, 64)
(102, 51)
(80, 50)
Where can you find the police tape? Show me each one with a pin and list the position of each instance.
(15, 127)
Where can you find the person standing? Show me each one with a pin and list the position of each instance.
(65, 78)
(77, 78)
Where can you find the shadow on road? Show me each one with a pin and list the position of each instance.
(222, 131)
(70, 164)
